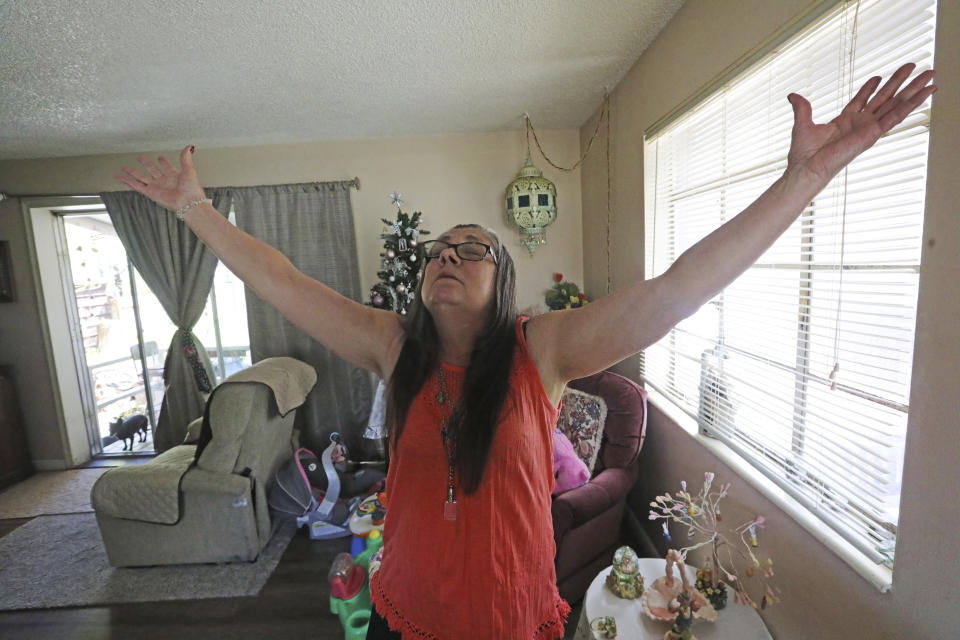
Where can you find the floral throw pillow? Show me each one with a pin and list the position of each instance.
(581, 420)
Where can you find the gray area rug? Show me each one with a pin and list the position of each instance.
(50, 492)
(59, 561)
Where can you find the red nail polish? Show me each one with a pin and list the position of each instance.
(192, 148)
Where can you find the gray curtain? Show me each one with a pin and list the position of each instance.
(312, 224)
(178, 268)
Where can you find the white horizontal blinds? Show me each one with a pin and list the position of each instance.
(802, 365)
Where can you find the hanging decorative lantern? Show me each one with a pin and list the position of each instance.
(531, 205)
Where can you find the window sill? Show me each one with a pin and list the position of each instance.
(878, 575)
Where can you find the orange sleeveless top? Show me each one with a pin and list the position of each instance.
(488, 574)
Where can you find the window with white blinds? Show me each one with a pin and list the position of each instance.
(802, 365)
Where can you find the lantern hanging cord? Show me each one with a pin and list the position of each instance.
(604, 117)
(604, 113)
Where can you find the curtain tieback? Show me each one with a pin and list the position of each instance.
(189, 347)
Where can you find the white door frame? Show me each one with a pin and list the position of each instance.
(61, 339)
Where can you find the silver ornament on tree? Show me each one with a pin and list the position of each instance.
(402, 244)
(390, 253)
(401, 288)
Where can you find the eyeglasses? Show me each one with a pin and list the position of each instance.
(473, 251)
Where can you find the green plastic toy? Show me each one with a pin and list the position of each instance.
(354, 612)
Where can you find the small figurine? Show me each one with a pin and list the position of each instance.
(684, 607)
(674, 558)
(624, 578)
(660, 599)
(714, 590)
(605, 627)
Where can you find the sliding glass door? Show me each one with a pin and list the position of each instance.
(122, 332)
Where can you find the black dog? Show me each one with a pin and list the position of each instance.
(126, 428)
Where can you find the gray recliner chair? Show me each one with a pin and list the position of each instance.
(178, 510)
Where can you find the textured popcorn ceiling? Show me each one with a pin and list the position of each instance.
(84, 77)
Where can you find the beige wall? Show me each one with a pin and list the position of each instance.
(451, 178)
(823, 597)
(21, 344)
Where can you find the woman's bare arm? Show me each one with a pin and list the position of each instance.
(578, 342)
(370, 338)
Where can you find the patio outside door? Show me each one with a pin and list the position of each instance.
(121, 332)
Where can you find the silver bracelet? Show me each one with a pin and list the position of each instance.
(183, 210)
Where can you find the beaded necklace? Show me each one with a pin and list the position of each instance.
(443, 399)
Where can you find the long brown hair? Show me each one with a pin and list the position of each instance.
(487, 381)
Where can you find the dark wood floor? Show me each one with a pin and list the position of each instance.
(293, 604)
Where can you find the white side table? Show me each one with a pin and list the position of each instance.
(734, 622)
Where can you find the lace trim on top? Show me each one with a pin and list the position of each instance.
(548, 630)
(394, 618)
(553, 629)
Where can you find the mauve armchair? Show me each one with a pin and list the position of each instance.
(587, 520)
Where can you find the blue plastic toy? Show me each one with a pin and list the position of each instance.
(331, 518)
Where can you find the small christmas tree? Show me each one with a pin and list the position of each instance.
(400, 261)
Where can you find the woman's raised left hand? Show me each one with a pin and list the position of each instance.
(820, 151)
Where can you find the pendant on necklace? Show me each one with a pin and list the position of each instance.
(450, 510)
(440, 398)
(450, 506)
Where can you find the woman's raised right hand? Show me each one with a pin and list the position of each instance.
(169, 187)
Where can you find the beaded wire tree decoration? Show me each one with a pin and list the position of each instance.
(730, 562)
